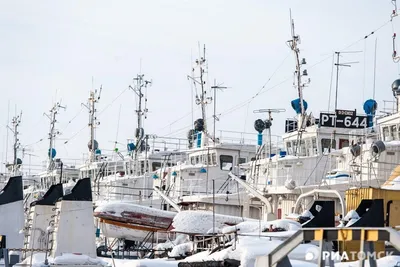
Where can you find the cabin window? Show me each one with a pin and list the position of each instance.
(192, 160)
(242, 160)
(398, 132)
(253, 159)
(226, 162)
(289, 147)
(314, 145)
(326, 144)
(393, 130)
(210, 162)
(142, 166)
(302, 148)
(155, 166)
(197, 160)
(214, 159)
(343, 143)
(385, 131)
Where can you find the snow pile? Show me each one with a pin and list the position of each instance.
(180, 239)
(392, 185)
(181, 250)
(249, 248)
(214, 231)
(292, 216)
(141, 263)
(200, 222)
(307, 214)
(254, 226)
(350, 218)
(66, 259)
(116, 208)
(69, 258)
(351, 215)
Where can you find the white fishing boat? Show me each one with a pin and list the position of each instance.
(322, 157)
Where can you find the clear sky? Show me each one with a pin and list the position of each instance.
(50, 50)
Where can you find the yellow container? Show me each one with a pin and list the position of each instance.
(391, 204)
(391, 199)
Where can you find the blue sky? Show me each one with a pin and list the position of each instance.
(50, 50)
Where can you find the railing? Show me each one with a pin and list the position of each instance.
(235, 137)
(67, 163)
(161, 143)
(366, 236)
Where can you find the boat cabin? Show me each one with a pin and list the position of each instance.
(330, 131)
(203, 165)
(63, 172)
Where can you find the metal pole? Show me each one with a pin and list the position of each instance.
(337, 80)
(373, 92)
(46, 262)
(208, 155)
(213, 206)
(61, 172)
(215, 106)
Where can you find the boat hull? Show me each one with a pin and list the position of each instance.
(132, 221)
(113, 229)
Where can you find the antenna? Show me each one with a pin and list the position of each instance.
(94, 98)
(15, 124)
(216, 87)
(298, 83)
(53, 132)
(373, 89)
(338, 64)
(201, 99)
(139, 84)
(268, 123)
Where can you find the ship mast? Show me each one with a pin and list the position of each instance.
(201, 99)
(53, 133)
(93, 99)
(15, 123)
(297, 83)
(139, 84)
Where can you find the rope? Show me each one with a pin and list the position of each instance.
(316, 165)
(73, 118)
(112, 102)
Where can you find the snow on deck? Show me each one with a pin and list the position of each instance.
(248, 227)
(246, 251)
(393, 185)
(200, 222)
(248, 248)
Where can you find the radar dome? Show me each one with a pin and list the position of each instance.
(96, 145)
(396, 87)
